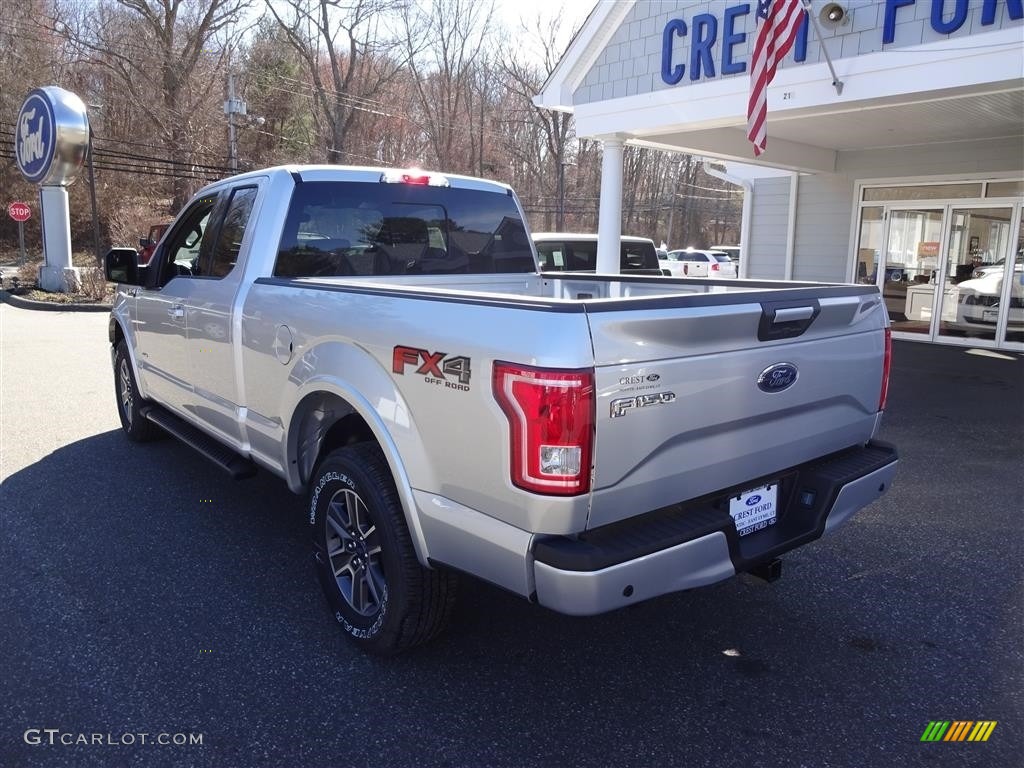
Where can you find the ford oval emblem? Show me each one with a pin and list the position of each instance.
(776, 378)
(755, 499)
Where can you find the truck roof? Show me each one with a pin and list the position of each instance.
(359, 173)
(586, 236)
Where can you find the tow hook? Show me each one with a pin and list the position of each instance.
(769, 571)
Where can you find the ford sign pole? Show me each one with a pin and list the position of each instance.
(51, 137)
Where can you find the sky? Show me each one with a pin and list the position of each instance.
(570, 14)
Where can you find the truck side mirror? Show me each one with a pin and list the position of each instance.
(144, 242)
(121, 265)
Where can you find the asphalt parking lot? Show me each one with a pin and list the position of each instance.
(142, 592)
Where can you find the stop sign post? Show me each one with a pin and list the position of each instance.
(21, 213)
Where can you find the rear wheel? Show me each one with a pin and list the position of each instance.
(129, 404)
(384, 600)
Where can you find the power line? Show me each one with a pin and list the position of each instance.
(145, 145)
(102, 152)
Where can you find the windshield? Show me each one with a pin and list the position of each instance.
(721, 257)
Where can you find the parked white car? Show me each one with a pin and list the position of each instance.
(978, 300)
(690, 262)
(732, 251)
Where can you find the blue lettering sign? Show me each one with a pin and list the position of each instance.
(731, 38)
(988, 11)
(705, 32)
(800, 45)
(948, 27)
(671, 74)
(889, 25)
(35, 137)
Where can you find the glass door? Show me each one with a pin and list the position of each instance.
(1013, 294)
(908, 280)
(973, 272)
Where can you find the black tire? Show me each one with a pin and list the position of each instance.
(384, 600)
(137, 427)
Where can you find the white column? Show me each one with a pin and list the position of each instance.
(794, 194)
(53, 275)
(609, 221)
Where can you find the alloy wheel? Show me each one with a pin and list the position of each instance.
(353, 551)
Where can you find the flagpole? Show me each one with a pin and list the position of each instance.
(836, 82)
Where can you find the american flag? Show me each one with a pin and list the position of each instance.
(780, 20)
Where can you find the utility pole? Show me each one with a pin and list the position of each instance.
(92, 197)
(233, 107)
(672, 201)
(95, 214)
(560, 223)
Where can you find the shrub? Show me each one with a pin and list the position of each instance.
(28, 274)
(94, 283)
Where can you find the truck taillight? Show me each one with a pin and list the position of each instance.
(414, 176)
(886, 366)
(551, 421)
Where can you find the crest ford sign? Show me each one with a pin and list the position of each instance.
(51, 136)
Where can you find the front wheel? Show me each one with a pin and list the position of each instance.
(136, 426)
(384, 600)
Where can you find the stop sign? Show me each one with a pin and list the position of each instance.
(19, 211)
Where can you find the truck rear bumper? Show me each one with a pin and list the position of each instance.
(695, 544)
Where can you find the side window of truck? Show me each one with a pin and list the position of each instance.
(224, 252)
(639, 256)
(185, 252)
(582, 256)
(552, 256)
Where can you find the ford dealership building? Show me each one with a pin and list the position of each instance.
(907, 171)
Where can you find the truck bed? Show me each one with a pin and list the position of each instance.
(703, 342)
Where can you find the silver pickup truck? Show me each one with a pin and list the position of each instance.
(383, 341)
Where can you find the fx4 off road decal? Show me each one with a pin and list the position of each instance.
(435, 367)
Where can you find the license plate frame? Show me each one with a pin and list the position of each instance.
(755, 509)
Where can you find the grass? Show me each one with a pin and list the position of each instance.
(35, 294)
(9, 258)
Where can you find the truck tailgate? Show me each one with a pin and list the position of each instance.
(680, 412)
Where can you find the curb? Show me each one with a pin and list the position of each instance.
(49, 306)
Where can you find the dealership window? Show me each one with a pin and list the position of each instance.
(922, 192)
(869, 248)
(1005, 189)
(944, 258)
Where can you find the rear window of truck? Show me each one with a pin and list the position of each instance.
(360, 229)
(581, 256)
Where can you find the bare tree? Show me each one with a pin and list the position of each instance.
(350, 58)
(525, 79)
(444, 40)
(167, 56)
(356, 81)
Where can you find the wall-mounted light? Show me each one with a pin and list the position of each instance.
(833, 15)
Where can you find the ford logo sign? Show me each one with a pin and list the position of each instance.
(653, 377)
(51, 136)
(34, 135)
(755, 499)
(778, 377)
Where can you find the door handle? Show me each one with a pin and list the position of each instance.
(793, 313)
(177, 311)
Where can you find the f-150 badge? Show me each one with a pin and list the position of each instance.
(433, 366)
(623, 405)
